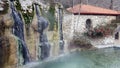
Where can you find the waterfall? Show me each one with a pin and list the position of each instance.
(61, 42)
(19, 32)
(43, 40)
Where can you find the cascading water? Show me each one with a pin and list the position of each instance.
(42, 25)
(61, 43)
(19, 32)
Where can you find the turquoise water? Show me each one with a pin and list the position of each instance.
(101, 58)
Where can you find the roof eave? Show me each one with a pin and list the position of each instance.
(96, 14)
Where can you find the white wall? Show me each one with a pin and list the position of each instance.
(77, 23)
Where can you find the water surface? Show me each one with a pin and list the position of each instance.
(101, 58)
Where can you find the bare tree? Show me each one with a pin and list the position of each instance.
(111, 4)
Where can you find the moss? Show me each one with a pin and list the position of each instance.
(18, 5)
(50, 16)
(101, 31)
(52, 10)
(28, 17)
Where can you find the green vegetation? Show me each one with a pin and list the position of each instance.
(115, 21)
(50, 16)
(18, 5)
(28, 17)
(101, 31)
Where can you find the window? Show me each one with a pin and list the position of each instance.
(88, 24)
(117, 35)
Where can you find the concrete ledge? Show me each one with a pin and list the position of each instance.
(107, 45)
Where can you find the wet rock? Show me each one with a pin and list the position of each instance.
(8, 44)
(42, 28)
(3, 7)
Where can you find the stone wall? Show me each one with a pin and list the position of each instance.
(79, 22)
(76, 23)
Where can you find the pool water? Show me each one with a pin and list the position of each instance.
(101, 58)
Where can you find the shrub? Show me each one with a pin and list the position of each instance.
(101, 31)
(80, 42)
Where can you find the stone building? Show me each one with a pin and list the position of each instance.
(82, 18)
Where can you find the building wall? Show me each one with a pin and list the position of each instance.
(80, 21)
(76, 23)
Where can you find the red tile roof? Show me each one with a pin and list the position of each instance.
(92, 10)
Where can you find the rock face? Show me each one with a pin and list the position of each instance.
(8, 52)
(8, 44)
(44, 44)
(3, 6)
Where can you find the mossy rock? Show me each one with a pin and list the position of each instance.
(51, 17)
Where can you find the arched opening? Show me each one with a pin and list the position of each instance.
(117, 35)
(88, 24)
